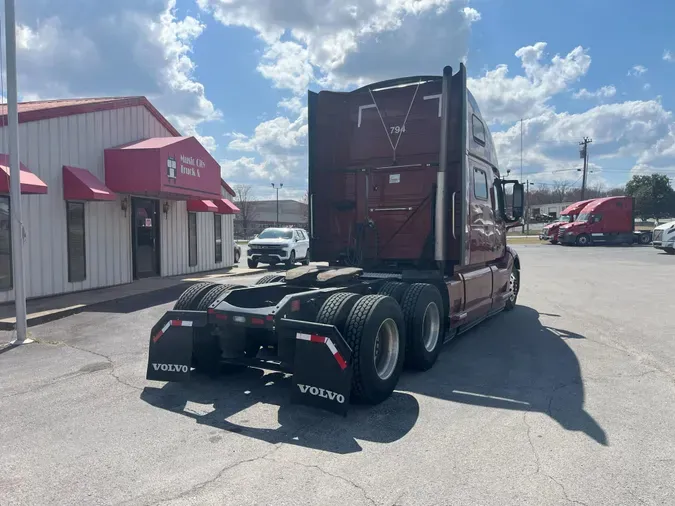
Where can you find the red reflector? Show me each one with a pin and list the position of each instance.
(295, 305)
(269, 318)
(211, 310)
(257, 321)
(221, 316)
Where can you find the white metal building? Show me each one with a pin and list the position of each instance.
(111, 193)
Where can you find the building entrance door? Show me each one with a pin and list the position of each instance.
(145, 237)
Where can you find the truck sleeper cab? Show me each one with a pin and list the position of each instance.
(568, 215)
(607, 220)
(408, 209)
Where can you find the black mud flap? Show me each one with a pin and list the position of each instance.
(322, 371)
(170, 352)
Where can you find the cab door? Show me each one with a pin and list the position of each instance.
(478, 275)
(596, 227)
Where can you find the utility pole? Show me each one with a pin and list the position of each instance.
(15, 177)
(521, 164)
(277, 188)
(583, 153)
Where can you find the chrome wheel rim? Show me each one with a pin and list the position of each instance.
(513, 286)
(386, 350)
(431, 326)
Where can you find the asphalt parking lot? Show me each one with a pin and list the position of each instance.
(569, 399)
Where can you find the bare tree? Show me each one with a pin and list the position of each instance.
(560, 190)
(244, 201)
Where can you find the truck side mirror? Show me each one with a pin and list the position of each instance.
(518, 198)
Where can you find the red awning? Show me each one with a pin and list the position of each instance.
(30, 183)
(175, 168)
(80, 184)
(201, 206)
(225, 206)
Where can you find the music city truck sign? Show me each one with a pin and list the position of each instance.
(189, 165)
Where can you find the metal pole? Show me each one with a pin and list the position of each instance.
(277, 207)
(521, 168)
(15, 176)
(585, 144)
(521, 150)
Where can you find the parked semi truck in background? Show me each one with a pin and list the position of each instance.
(569, 214)
(663, 237)
(609, 220)
(408, 208)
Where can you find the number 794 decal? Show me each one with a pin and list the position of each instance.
(397, 129)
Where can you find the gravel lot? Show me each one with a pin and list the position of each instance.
(568, 399)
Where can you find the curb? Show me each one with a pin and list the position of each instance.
(59, 314)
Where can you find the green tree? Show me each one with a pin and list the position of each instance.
(653, 194)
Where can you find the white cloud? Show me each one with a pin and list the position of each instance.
(603, 92)
(550, 141)
(471, 14)
(336, 45)
(505, 99)
(668, 56)
(646, 86)
(127, 47)
(637, 70)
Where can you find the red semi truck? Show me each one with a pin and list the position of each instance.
(569, 214)
(607, 220)
(408, 208)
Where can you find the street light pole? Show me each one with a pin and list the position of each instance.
(15, 177)
(277, 188)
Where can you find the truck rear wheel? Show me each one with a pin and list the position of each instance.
(211, 296)
(191, 297)
(335, 310)
(645, 238)
(394, 289)
(424, 318)
(270, 278)
(375, 331)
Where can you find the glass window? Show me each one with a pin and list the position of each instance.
(276, 233)
(77, 251)
(597, 218)
(5, 245)
(480, 185)
(192, 239)
(218, 235)
(478, 130)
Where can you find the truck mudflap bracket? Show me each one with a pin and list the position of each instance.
(322, 370)
(171, 340)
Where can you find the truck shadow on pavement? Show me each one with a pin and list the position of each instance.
(231, 396)
(512, 362)
(509, 362)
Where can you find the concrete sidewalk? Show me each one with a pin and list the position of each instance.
(46, 309)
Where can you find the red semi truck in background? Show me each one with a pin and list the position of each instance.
(607, 220)
(569, 214)
(408, 208)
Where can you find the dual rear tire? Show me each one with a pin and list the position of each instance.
(402, 325)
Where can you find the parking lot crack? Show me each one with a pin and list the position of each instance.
(328, 473)
(111, 371)
(537, 460)
(202, 485)
(529, 439)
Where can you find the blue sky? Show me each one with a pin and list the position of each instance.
(235, 72)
